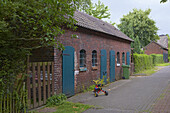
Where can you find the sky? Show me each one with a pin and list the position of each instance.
(160, 12)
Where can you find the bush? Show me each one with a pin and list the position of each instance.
(56, 100)
(142, 62)
(169, 59)
(157, 59)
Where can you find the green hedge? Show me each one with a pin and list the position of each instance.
(169, 59)
(157, 59)
(143, 61)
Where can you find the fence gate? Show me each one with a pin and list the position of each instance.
(68, 71)
(40, 83)
(103, 70)
(112, 66)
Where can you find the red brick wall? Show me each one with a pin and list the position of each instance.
(153, 48)
(89, 41)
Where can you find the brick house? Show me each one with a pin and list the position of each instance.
(159, 47)
(98, 52)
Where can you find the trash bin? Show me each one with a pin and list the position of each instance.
(126, 72)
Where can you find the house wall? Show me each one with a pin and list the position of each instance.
(153, 48)
(89, 41)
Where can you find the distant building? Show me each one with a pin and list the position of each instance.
(159, 47)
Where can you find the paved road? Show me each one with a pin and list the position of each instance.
(136, 95)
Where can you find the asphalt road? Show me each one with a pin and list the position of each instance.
(136, 95)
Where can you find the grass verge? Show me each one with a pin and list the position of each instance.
(147, 72)
(164, 64)
(66, 107)
(90, 88)
(69, 107)
(152, 70)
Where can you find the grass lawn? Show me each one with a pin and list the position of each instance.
(66, 107)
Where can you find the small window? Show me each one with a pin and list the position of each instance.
(94, 58)
(82, 58)
(118, 59)
(123, 58)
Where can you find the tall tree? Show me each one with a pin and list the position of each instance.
(29, 24)
(98, 10)
(163, 1)
(138, 24)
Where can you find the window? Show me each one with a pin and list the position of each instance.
(82, 58)
(94, 58)
(118, 59)
(123, 58)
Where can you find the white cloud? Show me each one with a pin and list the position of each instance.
(160, 11)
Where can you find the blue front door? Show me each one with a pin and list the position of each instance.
(112, 66)
(128, 58)
(68, 71)
(103, 66)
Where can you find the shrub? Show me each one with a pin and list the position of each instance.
(56, 100)
(157, 59)
(142, 62)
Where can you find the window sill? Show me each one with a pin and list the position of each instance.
(83, 69)
(94, 67)
(118, 65)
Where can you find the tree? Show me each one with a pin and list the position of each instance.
(26, 25)
(163, 1)
(138, 24)
(98, 10)
(84, 4)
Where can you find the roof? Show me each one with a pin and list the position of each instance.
(163, 41)
(92, 23)
(157, 44)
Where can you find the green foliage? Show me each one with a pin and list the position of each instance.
(142, 62)
(90, 88)
(138, 26)
(98, 10)
(68, 107)
(169, 58)
(145, 62)
(164, 64)
(14, 98)
(136, 45)
(142, 52)
(56, 100)
(147, 72)
(163, 1)
(157, 59)
(27, 25)
(84, 4)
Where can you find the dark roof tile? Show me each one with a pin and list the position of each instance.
(163, 41)
(90, 22)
